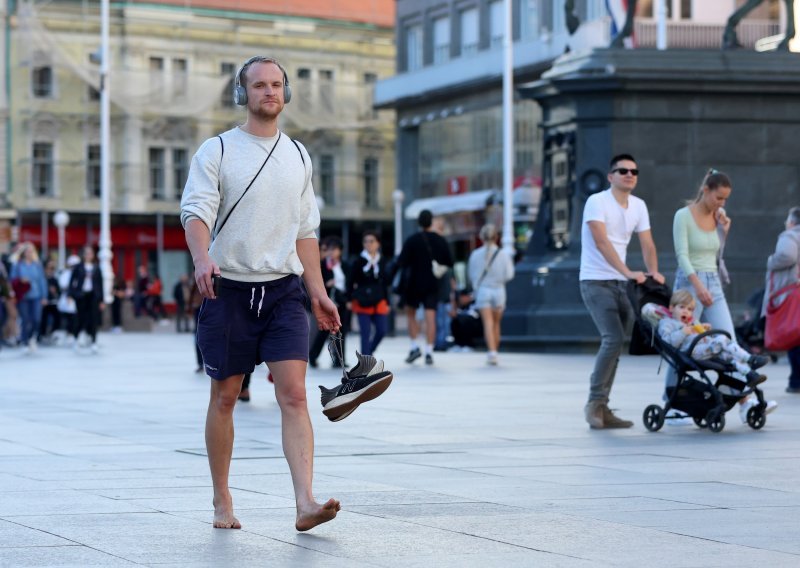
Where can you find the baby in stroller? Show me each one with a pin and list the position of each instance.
(705, 366)
(680, 330)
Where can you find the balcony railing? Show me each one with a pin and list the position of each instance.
(695, 35)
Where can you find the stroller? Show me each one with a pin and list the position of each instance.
(695, 395)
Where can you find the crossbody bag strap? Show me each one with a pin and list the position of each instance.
(249, 185)
(486, 268)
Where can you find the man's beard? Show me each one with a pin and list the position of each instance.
(264, 113)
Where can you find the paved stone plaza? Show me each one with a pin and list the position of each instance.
(102, 463)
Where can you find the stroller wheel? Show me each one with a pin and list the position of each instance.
(715, 420)
(653, 417)
(756, 418)
(700, 422)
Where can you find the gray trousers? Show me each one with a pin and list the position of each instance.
(613, 316)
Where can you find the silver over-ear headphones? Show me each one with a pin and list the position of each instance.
(240, 92)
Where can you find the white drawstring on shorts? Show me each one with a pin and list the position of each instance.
(253, 299)
(261, 301)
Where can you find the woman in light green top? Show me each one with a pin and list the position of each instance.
(697, 231)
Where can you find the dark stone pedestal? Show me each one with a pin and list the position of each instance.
(679, 113)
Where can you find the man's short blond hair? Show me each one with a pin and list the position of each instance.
(682, 298)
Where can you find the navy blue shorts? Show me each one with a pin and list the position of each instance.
(251, 322)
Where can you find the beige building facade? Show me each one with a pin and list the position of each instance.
(172, 69)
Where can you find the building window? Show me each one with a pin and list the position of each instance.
(157, 167)
(371, 182)
(370, 78)
(42, 82)
(227, 69)
(42, 174)
(180, 77)
(327, 178)
(469, 32)
(93, 184)
(304, 73)
(325, 89)
(156, 64)
(441, 40)
(529, 19)
(497, 21)
(413, 48)
(94, 94)
(180, 170)
(686, 9)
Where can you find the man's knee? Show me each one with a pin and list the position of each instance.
(612, 342)
(292, 397)
(224, 394)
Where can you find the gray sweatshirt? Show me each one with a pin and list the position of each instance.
(258, 242)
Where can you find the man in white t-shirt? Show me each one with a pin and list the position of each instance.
(609, 220)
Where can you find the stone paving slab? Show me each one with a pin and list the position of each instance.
(102, 463)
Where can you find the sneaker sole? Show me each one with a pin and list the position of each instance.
(337, 407)
(343, 416)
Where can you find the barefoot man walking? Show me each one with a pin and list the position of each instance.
(248, 271)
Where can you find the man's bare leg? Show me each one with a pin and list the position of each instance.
(298, 442)
(430, 326)
(413, 324)
(219, 446)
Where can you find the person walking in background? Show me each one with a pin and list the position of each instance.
(610, 218)
(369, 290)
(140, 297)
(66, 304)
(422, 253)
(155, 306)
(30, 289)
(5, 294)
(699, 232)
(783, 268)
(121, 292)
(180, 293)
(86, 288)
(51, 320)
(334, 275)
(489, 268)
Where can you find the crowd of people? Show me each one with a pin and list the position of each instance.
(43, 306)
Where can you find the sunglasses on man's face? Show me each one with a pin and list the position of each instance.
(626, 171)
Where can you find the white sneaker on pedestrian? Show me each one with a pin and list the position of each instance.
(32, 345)
(750, 403)
(94, 348)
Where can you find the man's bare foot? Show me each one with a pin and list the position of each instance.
(316, 514)
(223, 516)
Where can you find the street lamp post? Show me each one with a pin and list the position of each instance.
(105, 253)
(398, 196)
(508, 133)
(61, 220)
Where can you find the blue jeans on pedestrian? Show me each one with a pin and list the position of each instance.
(372, 328)
(612, 313)
(793, 355)
(718, 314)
(442, 324)
(30, 312)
